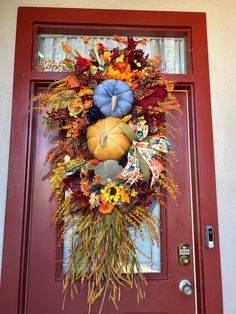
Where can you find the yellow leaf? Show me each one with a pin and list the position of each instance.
(127, 118)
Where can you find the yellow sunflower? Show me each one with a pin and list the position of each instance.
(111, 192)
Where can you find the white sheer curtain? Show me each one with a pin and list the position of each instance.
(172, 50)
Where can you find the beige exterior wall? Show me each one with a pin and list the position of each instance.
(221, 27)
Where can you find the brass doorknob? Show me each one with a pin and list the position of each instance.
(185, 287)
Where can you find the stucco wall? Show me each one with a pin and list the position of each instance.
(222, 55)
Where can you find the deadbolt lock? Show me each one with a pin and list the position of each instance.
(184, 260)
(184, 254)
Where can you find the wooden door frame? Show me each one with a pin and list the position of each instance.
(15, 251)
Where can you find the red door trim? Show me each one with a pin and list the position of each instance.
(14, 267)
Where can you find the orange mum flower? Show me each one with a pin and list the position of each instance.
(119, 71)
(97, 179)
(106, 208)
(122, 67)
(72, 81)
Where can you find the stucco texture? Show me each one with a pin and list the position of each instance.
(221, 28)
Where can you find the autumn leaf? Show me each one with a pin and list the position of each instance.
(78, 54)
(68, 60)
(85, 39)
(141, 42)
(66, 48)
(125, 41)
(120, 39)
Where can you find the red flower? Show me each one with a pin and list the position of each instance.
(81, 65)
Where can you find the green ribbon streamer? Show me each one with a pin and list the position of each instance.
(143, 166)
(128, 132)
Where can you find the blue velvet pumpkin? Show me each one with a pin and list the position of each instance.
(114, 98)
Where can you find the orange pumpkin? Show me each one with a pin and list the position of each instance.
(106, 139)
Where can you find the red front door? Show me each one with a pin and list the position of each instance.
(38, 255)
(162, 293)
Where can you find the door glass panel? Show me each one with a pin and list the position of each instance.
(148, 252)
(171, 49)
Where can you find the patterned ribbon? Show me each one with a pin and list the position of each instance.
(140, 157)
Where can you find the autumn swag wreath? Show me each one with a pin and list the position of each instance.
(110, 162)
